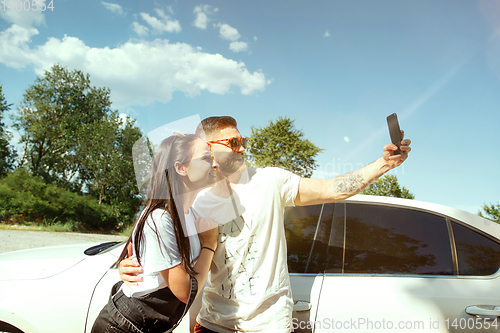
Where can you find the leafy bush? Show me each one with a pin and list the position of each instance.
(24, 197)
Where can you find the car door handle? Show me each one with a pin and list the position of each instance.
(301, 306)
(483, 310)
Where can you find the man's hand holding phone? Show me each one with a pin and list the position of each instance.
(396, 152)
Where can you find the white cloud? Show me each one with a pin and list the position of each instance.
(255, 38)
(232, 34)
(114, 8)
(202, 12)
(164, 24)
(138, 73)
(228, 32)
(14, 50)
(327, 34)
(162, 14)
(140, 29)
(238, 46)
(201, 20)
(25, 19)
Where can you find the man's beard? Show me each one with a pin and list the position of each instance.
(229, 163)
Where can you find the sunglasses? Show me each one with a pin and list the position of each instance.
(233, 143)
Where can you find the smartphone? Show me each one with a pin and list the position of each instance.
(394, 131)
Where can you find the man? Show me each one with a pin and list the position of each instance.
(248, 289)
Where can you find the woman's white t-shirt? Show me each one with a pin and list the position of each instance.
(159, 251)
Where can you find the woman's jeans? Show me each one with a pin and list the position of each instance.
(155, 312)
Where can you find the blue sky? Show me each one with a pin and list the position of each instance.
(337, 67)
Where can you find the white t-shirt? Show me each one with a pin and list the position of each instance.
(248, 288)
(158, 256)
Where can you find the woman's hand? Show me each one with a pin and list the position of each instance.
(128, 270)
(208, 232)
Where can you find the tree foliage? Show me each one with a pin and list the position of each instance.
(56, 114)
(24, 197)
(109, 172)
(388, 186)
(491, 212)
(281, 145)
(7, 152)
(72, 137)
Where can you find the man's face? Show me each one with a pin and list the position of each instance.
(229, 161)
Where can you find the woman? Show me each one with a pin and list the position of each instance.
(166, 243)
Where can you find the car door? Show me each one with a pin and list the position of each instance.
(397, 269)
(307, 231)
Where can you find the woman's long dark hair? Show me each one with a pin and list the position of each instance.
(165, 185)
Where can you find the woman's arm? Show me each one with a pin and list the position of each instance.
(177, 279)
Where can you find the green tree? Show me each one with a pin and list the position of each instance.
(388, 186)
(54, 117)
(7, 152)
(109, 170)
(281, 145)
(71, 136)
(491, 212)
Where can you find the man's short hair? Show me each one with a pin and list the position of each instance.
(212, 125)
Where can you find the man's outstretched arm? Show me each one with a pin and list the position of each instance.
(318, 191)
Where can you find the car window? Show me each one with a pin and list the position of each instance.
(307, 230)
(387, 240)
(335, 256)
(318, 254)
(476, 253)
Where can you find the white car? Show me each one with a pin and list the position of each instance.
(365, 264)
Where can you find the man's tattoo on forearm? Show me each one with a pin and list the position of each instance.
(348, 183)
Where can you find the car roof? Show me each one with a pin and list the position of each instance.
(475, 221)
